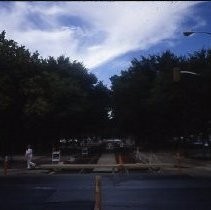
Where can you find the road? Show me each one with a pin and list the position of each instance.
(136, 191)
(157, 192)
(47, 192)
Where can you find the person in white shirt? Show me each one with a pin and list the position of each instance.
(28, 156)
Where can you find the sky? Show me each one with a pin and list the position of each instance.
(106, 35)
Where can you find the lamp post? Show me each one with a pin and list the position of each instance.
(176, 71)
(188, 33)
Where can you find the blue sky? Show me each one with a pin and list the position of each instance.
(106, 35)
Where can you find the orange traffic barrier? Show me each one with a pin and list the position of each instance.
(121, 166)
(5, 165)
(120, 160)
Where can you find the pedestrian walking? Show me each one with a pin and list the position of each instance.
(28, 156)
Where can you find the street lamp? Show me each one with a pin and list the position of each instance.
(188, 33)
(176, 71)
(177, 74)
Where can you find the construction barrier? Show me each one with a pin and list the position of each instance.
(55, 157)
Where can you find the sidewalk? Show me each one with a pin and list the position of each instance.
(106, 158)
(17, 166)
(23, 171)
(190, 167)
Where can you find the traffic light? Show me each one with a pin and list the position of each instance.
(176, 74)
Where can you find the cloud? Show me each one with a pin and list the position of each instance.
(93, 32)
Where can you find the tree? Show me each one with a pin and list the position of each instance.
(42, 100)
(149, 105)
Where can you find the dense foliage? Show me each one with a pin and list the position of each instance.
(43, 100)
(151, 107)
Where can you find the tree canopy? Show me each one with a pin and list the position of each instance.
(150, 106)
(42, 100)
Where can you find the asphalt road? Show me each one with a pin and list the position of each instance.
(135, 191)
(47, 192)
